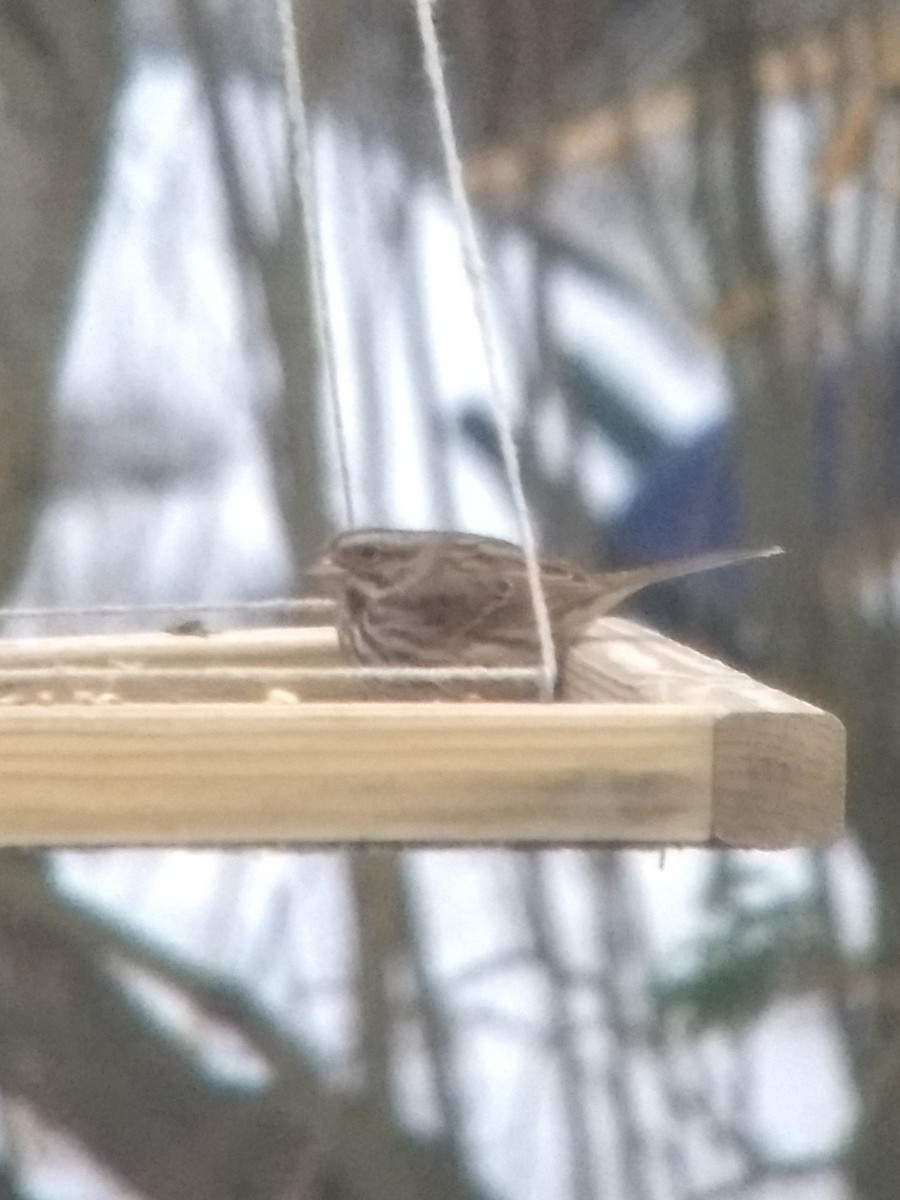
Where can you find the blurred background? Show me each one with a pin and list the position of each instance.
(691, 212)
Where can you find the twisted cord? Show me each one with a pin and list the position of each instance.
(283, 604)
(253, 674)
(476, 274)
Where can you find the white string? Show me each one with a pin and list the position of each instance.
(285, 604)
(304, 181)
(250, 674)
(476, 274)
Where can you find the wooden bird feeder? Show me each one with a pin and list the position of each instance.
(249, 737)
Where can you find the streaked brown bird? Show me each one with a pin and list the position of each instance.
(430, 599)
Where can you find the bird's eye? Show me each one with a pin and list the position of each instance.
(368, 553)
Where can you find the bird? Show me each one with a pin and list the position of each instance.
(428, 598)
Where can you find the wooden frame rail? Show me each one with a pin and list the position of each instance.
(652, 744)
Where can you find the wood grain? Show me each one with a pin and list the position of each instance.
(354, 771)
(778, 762)
(651, 744)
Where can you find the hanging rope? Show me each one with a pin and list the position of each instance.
(476, 273)
(286, 604)
(137, 672)
(304, 181)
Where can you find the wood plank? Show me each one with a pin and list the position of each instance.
(355, 771)
(779, 776)
(652, 744)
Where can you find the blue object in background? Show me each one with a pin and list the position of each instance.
(687, 503)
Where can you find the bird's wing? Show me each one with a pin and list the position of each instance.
(459, 600)
(466, 616)
(500, 627)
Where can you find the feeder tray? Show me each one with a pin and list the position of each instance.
(249, 737)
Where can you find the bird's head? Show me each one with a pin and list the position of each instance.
(368, 557)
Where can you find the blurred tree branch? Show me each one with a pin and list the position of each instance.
(280, 263)
(60, 68)
(76, 1047)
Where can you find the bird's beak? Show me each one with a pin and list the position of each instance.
(323, 575)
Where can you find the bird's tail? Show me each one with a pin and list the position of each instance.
(623, 584)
